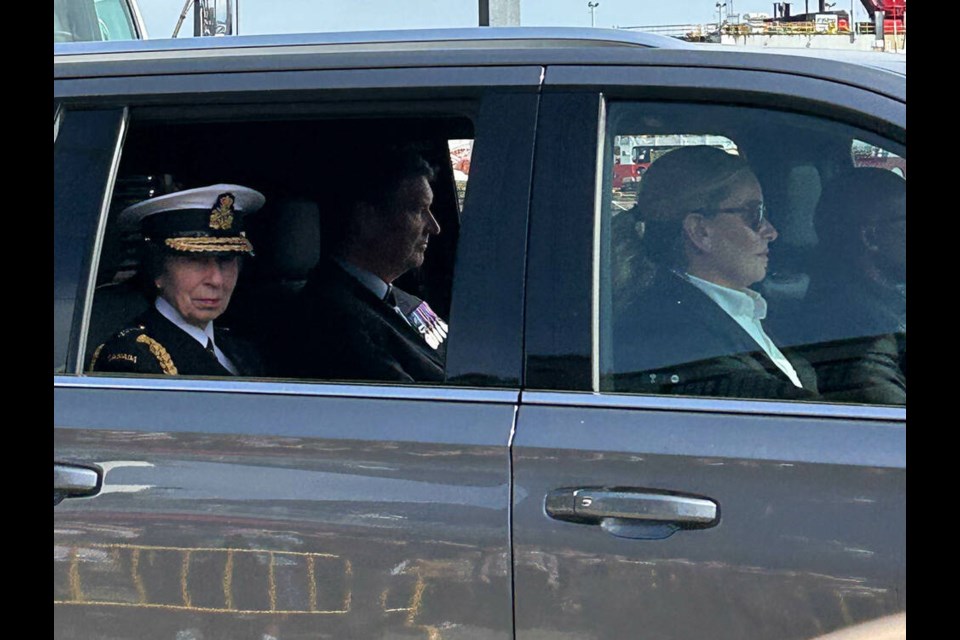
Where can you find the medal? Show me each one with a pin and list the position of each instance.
(428, 324)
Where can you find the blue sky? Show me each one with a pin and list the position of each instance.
(298, 16)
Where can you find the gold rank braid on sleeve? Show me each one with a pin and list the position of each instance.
(96, 354)
(160, 353)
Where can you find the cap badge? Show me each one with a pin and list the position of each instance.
(221, 217)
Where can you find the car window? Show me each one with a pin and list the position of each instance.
(314, 173)
(865, 154)
(115, 20)
(460, 152)
(757, 254)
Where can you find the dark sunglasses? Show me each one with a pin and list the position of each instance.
(752, 215)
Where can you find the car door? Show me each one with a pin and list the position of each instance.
(639, 512)
(256, 508)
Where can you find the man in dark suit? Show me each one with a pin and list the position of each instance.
(193, 242)
(855, 318)
(697, 330)
(350, 321)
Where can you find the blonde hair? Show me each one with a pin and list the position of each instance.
(683, 181)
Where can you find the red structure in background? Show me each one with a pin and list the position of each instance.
(894, 12)
(460, 152)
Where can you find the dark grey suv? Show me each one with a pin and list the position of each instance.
(547, 488)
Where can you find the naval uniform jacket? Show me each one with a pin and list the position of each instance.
(343, 331)
(153, 344)
(675, 339)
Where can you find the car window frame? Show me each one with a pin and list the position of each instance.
(79, 221)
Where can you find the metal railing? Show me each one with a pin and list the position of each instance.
(707, 29)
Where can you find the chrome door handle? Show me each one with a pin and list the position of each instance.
(75, 481)
(592, 505)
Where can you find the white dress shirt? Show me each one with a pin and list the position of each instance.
(747, 308)
(200, 335)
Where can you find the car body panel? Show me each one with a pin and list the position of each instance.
(748, 86)
(810, 537)
(280, 512)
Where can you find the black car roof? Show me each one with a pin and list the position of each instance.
(486, 46)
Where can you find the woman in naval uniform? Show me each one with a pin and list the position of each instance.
(193, 244)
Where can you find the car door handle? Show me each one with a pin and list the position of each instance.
(593, 505)
(75, 481)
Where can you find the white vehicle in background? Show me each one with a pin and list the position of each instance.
(97, 21)
(105, 20)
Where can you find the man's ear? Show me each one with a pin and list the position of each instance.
(697, 231)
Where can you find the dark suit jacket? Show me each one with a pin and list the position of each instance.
(849, 329)
(153, 344)
(341, 330)
(675, 339)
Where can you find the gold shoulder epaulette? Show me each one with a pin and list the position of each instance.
(160, 353)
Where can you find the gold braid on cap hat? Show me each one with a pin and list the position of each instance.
(197, 245)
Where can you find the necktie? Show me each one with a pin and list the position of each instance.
(225, 363)
(390, 297)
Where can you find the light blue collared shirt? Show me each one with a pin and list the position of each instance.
(370, 281)
(168, 311)
(367, 279)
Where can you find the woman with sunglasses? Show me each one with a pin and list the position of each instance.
(697, 330)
